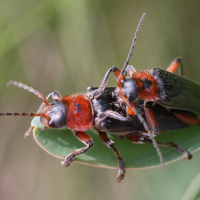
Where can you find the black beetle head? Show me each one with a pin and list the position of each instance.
(57, 115)
(129, 88)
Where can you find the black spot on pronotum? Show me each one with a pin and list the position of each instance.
(146, 83)
(78, 107)
(77, 110)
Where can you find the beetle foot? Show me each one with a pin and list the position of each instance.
(68, 160)
(121, 175)
(122, 171)
(187, 155)
(29, 132)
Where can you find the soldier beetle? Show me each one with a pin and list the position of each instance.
(105, 114)
(120, 111)
(165, 88)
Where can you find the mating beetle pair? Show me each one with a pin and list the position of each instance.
(123, 111)
(104, 114)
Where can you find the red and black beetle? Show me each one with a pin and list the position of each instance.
(115, 110)
(106, 114)
(170, 90)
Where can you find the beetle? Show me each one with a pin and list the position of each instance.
(131, 107)
(104, 109)
(165, 88)
(106, 114)
(79, 118)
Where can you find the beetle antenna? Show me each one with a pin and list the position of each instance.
(30, 89)
(146, 127)
(142, 120)
(132, 46)
(23, 114)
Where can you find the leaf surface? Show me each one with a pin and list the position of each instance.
(61, 142)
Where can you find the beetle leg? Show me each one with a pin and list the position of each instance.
(174, 65)
(121, 164)
(136, 139)
(109, 113)
(151, 120)
(130, 111)
(41, 107)
(96, 93)
(187, 155)
(84, 138)
(135, 133)
(29, 131)
(185, 118)
(147, 129)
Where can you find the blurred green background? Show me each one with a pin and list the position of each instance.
(68, 45)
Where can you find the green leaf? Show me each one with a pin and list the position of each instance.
(193, 191)
(61, 142)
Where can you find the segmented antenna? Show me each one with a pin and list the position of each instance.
(123, 71)
(142, 120)
(146, 127)
(30, 89)
(21, 114)
(24, 114)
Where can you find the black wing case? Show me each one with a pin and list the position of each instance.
(177, 91)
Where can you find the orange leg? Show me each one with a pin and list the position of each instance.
(121, 164)
(185, 118)
(149, 115)
(151, 120)
(174, 65)
(84, 138)
(130, 110)
(136, 139)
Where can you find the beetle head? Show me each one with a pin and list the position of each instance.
(54, 113)
(129, 88)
